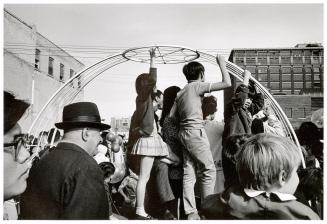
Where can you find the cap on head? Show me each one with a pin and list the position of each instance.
(81, 114)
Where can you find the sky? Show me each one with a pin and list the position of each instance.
(216, 28)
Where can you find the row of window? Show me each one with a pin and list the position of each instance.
(50, 66)
(282, 69)
(288, 78)
(295, 53)
(277, 60)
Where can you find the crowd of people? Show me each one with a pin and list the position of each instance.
(181, 165)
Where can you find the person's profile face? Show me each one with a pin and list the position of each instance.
(16, 164)
(94, 139)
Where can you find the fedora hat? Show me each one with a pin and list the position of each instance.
(82, 114)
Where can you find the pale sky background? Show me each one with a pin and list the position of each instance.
(214, 27)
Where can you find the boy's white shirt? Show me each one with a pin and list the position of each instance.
(282, 196)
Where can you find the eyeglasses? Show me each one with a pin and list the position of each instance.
(15, 146)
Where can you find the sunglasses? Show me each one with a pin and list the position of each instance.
(14, 147)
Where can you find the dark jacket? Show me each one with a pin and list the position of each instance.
(65, 184)
(233, 203)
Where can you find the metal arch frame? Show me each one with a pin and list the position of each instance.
(197, 55)
(66, 93)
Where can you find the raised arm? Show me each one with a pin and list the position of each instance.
(247, 76)
(226, 82)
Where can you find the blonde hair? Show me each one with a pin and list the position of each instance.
(263, 157)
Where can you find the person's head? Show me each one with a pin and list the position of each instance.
(141, 82)
(230, 152)
(317, 118)
(269, 162)
(194, 71)
(81, 123)
(242, 94)
(209, 107)
(43, 139)
(54, 136)
(108, 170)
(308, 133)
(169, 97)
(16, 165)
(157, 98)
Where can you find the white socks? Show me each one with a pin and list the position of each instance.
(140, 211)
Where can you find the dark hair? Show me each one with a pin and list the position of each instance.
(13, 110)
(168, 101)
(257, 126)
(158, 93)
(232, 148)
(308, 133)
(56, 137)
(311, 183)
(140, 82)
(107, 168)
(209, 105)
(192, 70)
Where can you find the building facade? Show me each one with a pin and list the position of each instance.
(120, 125)
(34, 67)
(294, 76)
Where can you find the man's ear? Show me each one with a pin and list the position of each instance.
(85, 134)
(282, 178)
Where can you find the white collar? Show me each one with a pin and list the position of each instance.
(282, 196)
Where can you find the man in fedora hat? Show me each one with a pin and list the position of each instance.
(67, 183)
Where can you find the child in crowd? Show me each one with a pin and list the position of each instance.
(230, 152)
(265, 121)
(192, 133)
(267, 171)
(144, 140)
(214, 130)
(239, 112)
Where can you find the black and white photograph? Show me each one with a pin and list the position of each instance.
(163, 110)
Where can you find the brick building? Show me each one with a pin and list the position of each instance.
(294, 76)
(34, 66)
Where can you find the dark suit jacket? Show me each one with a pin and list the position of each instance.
(67, 183)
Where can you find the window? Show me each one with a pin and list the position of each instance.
(302, 112)
(286, 77)
(250, 60)
(37, 59)
(298, 77)
(286, 70)
(274, 69)
(251, 69)
(262, 78)
(239, 60)
(262, 70)
(298, 85)
(289, 112)
(297, 70)
(62, 72)
(274, 77)
(79, 83)
(71, 73)
(50, 68)
(262, 60)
